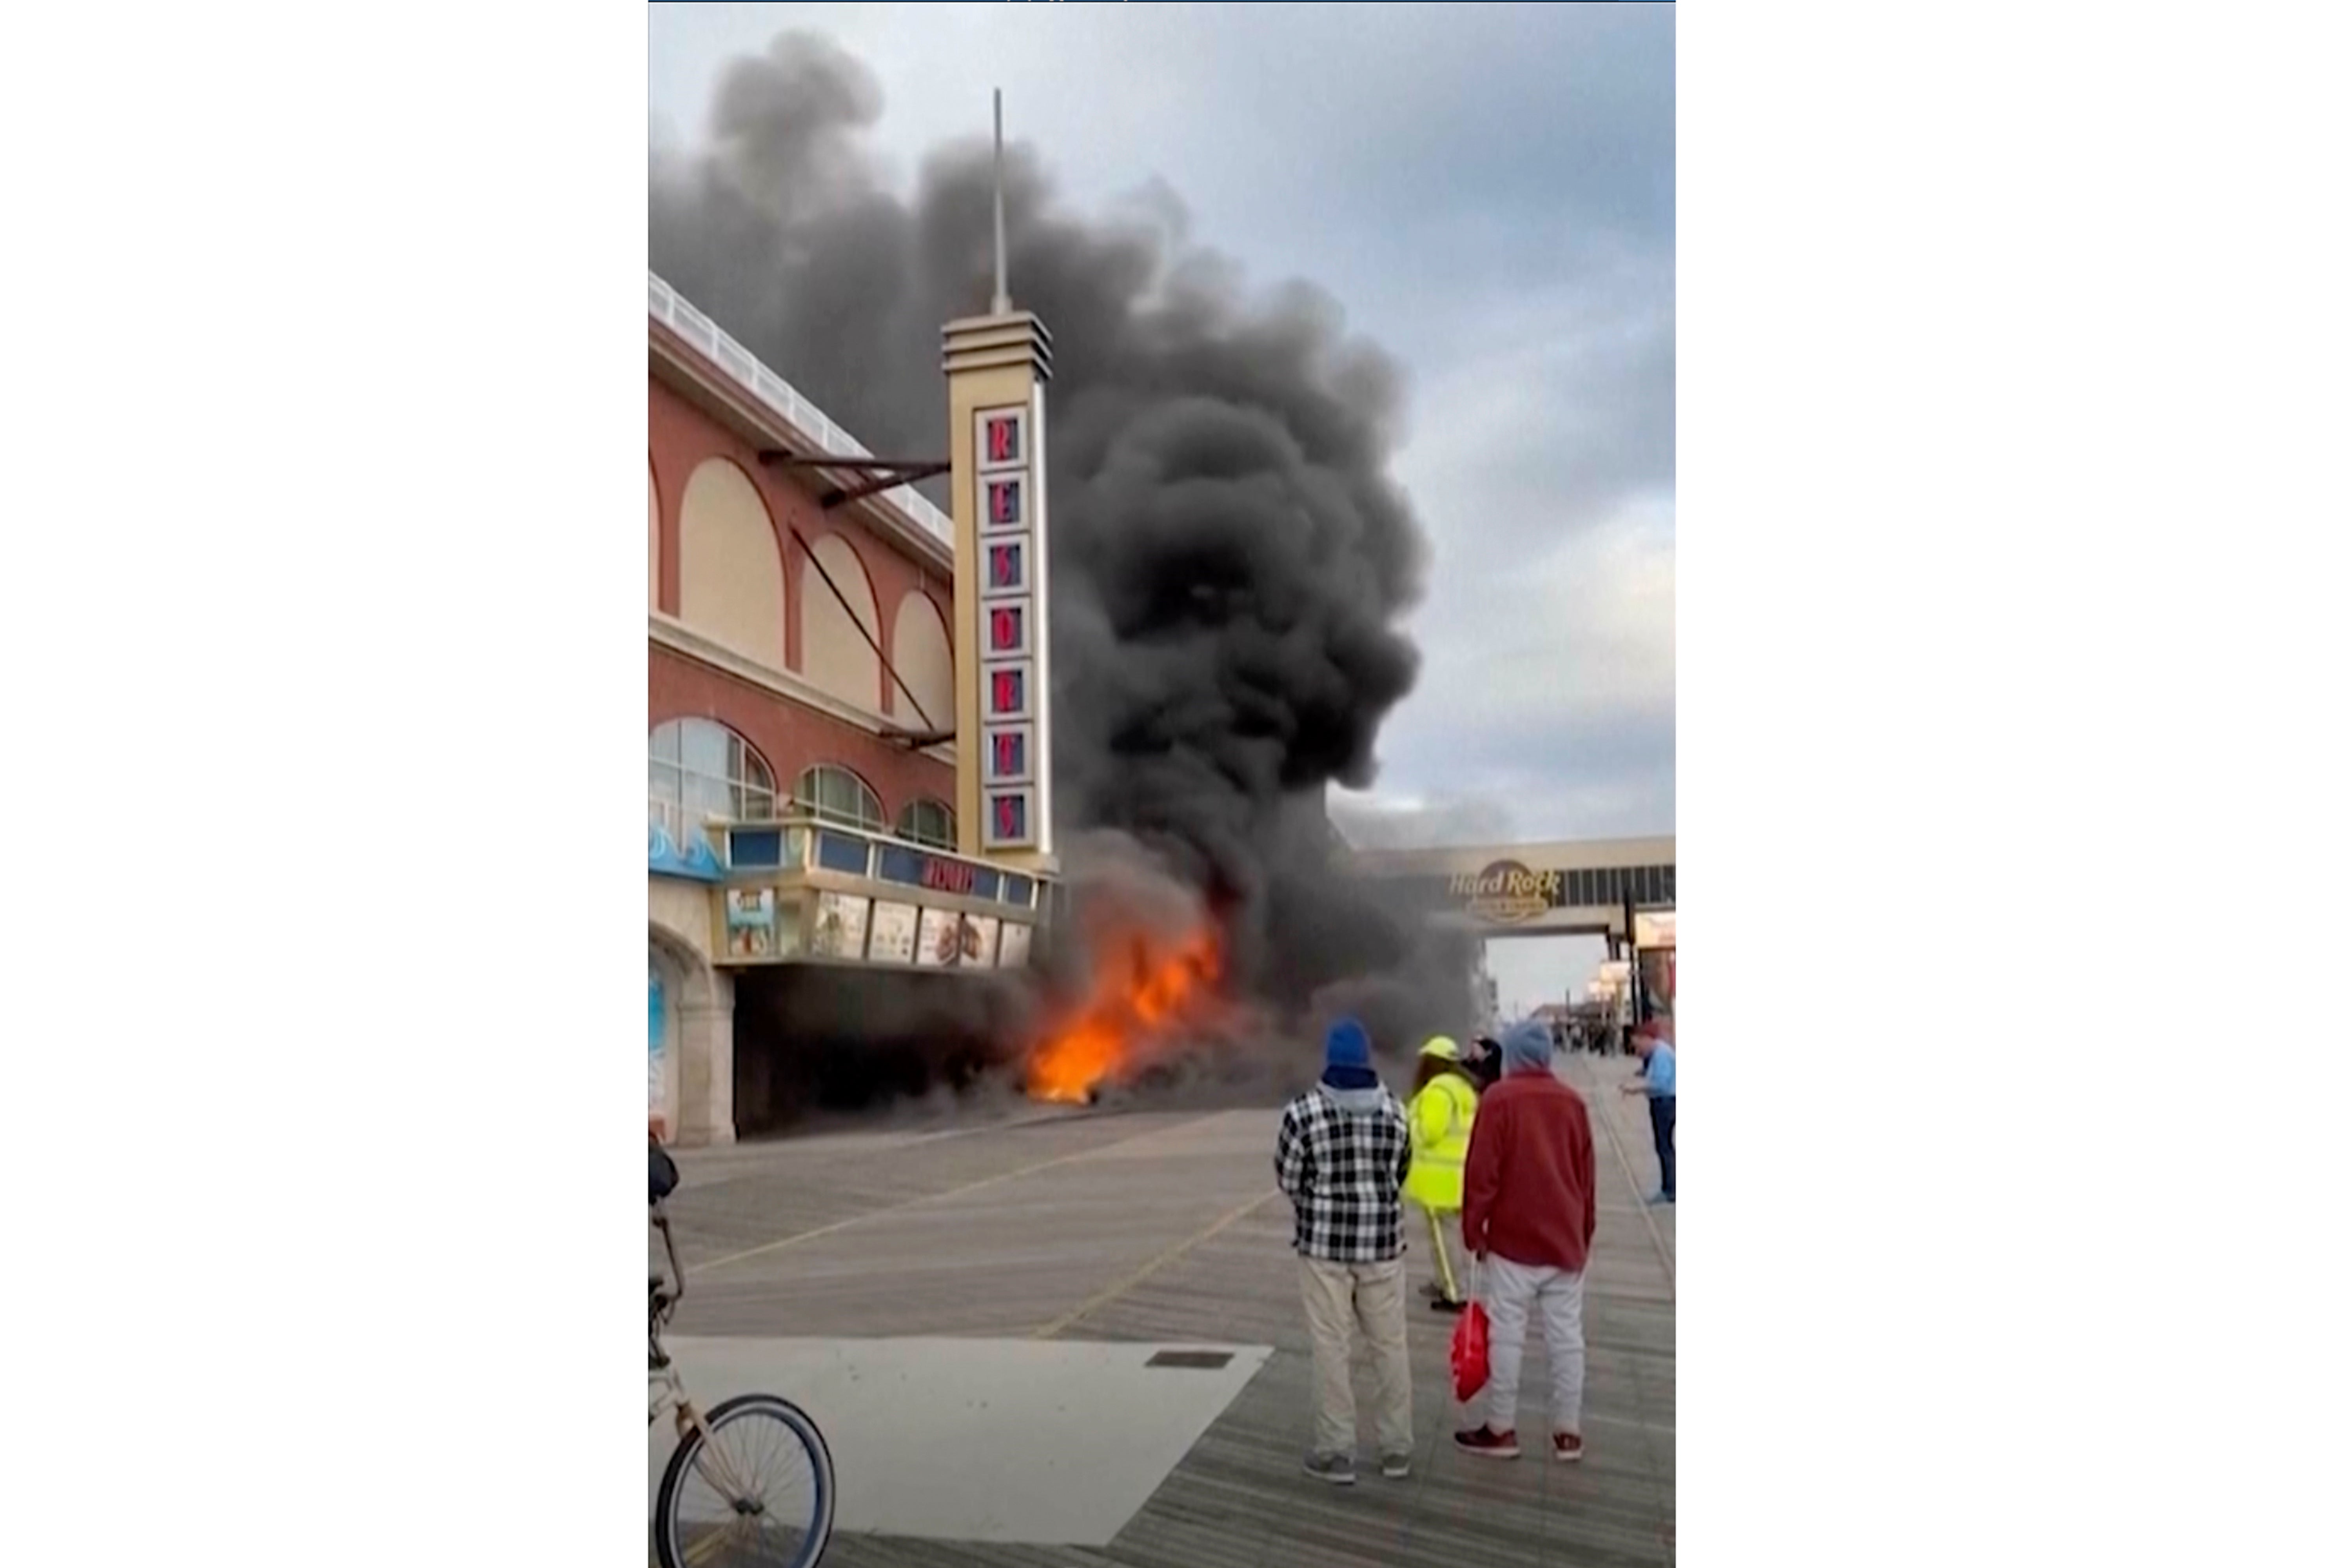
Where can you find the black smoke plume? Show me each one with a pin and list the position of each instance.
(1230, 558)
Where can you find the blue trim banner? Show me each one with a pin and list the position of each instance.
(696, 863)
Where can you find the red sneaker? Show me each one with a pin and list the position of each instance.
(1488, 1444)
(1567, 1447)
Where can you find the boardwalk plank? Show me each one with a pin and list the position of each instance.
(1010, 1232)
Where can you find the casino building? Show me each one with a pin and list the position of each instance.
(848, 694)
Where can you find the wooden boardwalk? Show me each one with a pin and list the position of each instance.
(1164, 1228)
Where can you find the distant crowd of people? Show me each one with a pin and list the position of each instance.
(1494, 1154)
(1579, 1037)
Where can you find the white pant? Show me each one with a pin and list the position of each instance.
(1509, 1290)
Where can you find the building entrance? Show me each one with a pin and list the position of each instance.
(814, 1041)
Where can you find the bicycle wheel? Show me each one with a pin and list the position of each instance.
(760, 1491)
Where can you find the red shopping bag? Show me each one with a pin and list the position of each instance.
(1470, 1353)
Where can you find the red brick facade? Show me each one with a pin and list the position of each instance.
(683, 439)
(788, 734)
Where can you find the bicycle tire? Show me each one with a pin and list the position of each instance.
(667, 1546)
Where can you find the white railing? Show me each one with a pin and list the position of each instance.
(667, 306)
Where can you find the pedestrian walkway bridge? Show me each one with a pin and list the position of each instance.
(1532, 889)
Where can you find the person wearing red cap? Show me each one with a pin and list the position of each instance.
(1654, 1044)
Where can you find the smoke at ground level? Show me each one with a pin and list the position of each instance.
(818, 1045)
(813, 1042)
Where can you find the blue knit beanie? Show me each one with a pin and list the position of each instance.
(1345, 1044)
(1526, 1046)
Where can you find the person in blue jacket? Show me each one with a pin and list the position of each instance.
(1656, 1079)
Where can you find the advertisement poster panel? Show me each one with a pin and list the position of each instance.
(979, 941)
(940, 939)
(1658, 981)
(840, 926)
(656, 1109)
(893, 937)
(751, 922)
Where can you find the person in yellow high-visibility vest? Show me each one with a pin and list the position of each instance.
(1444, 1104)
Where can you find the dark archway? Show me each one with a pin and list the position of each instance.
(812, 1041)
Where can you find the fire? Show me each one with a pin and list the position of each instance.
(1144, 989)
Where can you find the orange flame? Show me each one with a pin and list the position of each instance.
(1144, 990)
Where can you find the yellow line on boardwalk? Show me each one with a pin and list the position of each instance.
(1102, 1299)
(1608, 1087)
(798, 1236)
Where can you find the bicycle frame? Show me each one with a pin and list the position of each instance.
(668, 1390)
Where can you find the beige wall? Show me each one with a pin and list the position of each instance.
(730, 572)
(835, 657)
(925, 662)
(681, 910)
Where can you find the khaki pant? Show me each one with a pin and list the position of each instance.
(1445, 1257)
(1343, 1297)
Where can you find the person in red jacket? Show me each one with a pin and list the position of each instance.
(1527, 1216)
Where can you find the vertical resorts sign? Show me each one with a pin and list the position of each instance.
(1012, 739)
(1505, 893)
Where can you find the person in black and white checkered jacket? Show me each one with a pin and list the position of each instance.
(1342, 1158)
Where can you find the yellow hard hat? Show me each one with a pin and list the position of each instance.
(1443, 1049)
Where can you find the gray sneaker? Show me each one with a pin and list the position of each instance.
(1396, 1467)
(1339, 1469)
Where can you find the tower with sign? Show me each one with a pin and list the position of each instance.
(997, 367)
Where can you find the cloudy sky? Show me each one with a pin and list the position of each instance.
(1488, 191)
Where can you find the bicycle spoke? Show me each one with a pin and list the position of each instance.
(741, 1460)
(728, 1490)
(779, 1435)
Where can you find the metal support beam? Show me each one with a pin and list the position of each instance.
(885, 473)
(864, 487)
(775, 459)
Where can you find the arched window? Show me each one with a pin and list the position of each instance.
(928, 822)
(700, 770)
(837, 794)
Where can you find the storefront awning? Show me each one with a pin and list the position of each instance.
(801, 890)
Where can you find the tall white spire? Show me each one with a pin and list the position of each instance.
(1000, 304)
